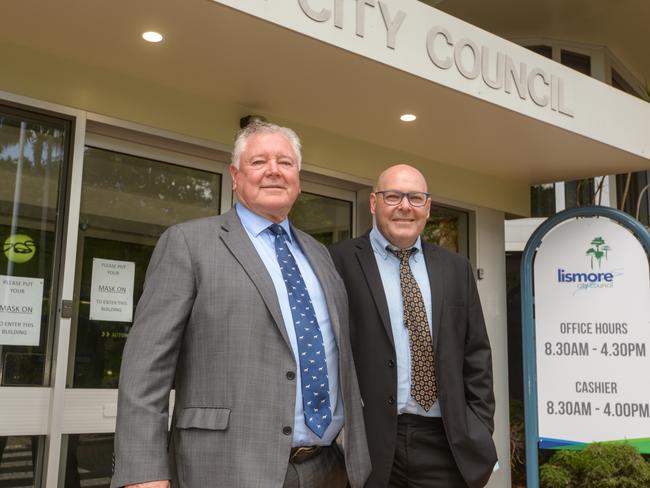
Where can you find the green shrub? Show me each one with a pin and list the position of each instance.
(597, 466)
(552, 476)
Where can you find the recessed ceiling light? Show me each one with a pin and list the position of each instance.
(151, 36)
(407, 117)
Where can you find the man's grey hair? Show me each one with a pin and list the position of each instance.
(261, 127)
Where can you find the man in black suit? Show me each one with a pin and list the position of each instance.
(420, 346)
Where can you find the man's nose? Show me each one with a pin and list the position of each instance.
(404, 204)
(272, 166)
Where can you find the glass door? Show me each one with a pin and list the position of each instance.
(130, 194)
(127, 201)
(34, 159)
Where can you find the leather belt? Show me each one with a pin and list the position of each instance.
(301, 455)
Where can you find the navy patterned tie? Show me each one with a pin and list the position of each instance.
(311, 350)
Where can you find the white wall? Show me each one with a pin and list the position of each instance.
(490, 256)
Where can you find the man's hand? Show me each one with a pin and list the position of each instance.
(151, 484)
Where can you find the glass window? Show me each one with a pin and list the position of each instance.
(621, 83)
(33, 151)
(578, 192)
(579, 62)
(631, 194)
(327, 219)
(546, 51)
(88, 460)
(542, 200)
(448, 228)
(20, 461)
(126, 203)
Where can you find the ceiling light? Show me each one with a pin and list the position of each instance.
(151, 36)
(407, 117)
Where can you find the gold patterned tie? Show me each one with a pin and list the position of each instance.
(424, 388)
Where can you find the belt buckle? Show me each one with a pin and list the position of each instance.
(300, 455)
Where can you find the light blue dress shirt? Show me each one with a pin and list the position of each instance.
(388, 265)
(257, 229)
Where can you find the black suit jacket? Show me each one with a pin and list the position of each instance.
(462, 355)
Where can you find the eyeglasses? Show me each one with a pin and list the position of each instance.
(395, 197)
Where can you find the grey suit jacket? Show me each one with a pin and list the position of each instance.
(209, 325)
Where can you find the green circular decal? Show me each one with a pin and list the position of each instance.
(19, 248)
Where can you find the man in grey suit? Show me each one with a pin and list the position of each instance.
(246, 318)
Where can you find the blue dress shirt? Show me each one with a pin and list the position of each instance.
(388, 265)
(257, 229)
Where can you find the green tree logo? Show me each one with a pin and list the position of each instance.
(599, 251)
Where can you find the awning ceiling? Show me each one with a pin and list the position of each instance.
(218, 53)
(620, 26)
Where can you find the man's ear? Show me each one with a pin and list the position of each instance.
(233, 173)
(373, 202)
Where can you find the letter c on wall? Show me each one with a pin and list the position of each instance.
(542, 101)
(322, 16)
(431, 39)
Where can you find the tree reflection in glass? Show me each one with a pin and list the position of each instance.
(32, 155)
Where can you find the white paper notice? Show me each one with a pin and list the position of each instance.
(592, 334)
(111, 295)
(21, 303)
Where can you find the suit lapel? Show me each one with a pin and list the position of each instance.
(435, 271)
(236, 239)
(368, 264)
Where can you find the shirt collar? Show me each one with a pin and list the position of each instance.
(380, 243)
(256, 224)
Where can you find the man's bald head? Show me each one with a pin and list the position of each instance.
(400, 169)
(400, 204)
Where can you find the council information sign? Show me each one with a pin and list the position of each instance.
(592, 326)
(111, 295)
(21, 303)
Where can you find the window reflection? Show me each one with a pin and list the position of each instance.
(326, 219)
(542, 200)
(448, 228)
(88, 460)
(19, 461)
(33, 150)
(578, 193)
(634, 194)
(126, 194)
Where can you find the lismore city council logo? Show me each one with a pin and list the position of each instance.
(597, 254)
(598, 251)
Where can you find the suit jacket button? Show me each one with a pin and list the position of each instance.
(287, 430)
(291, 375)
(391, 363)
(391, 400)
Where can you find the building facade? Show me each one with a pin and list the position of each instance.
(106, 140)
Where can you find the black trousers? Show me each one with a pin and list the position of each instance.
(423, 458)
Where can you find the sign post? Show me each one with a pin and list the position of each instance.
(586, 332)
